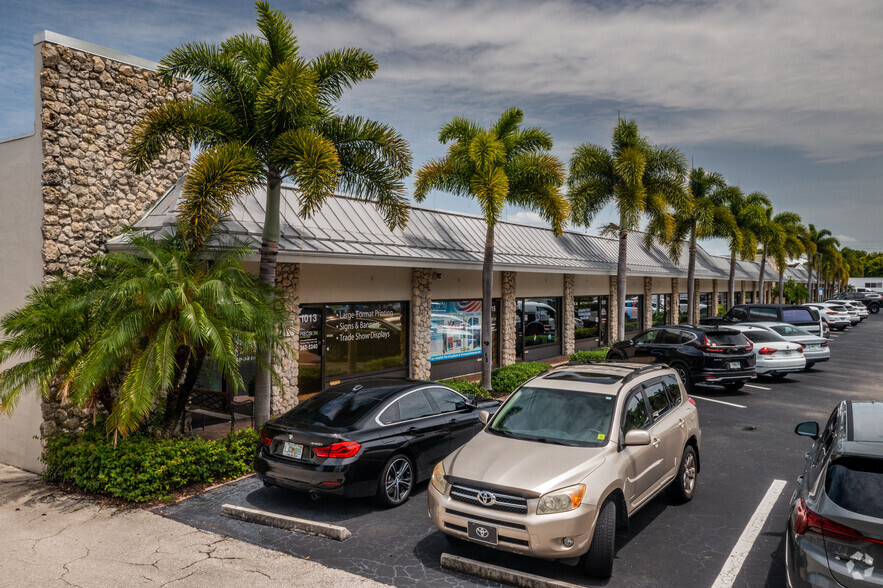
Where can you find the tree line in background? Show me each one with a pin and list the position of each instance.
(263, 115)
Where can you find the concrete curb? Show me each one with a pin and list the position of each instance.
(262, 517)
(486, 571)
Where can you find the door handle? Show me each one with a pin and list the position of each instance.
(656, 442)
(413, 431)
(452, 421)
(681, 423)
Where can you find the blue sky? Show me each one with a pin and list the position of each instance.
(782, 97)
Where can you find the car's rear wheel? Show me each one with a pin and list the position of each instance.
(776, 376)
(733, 386)
(809, 365)
(684, 375)
(874, 308)
(684, 485)
(598, 561)
(396, 481)
(614, 356)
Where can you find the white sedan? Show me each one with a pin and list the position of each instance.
(774, 357)
(815, 348)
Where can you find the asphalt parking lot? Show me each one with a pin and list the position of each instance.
(747, 445)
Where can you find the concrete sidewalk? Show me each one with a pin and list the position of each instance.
(48, 538)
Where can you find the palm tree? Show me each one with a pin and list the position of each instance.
(265, 114)
(787, 245)
(499, 165)
(640, 179)
(141, 327)
(748, 212)
(706, 217)
(823, 243)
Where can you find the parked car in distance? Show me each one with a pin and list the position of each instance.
(774, 356)
(872, 302)
(861, 312)
(568, 458)
(375, 438)
(799, 316)
(834, 314)
(815, 349)
(835, 526)
(707, 355)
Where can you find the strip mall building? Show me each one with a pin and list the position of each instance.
(365, 301)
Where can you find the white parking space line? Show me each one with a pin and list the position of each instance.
(757, 387)
(733, 565)
(717, 401)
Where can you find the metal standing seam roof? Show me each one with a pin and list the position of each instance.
(348, 229)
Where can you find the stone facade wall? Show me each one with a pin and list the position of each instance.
(648, 299)
(614, 311)
(568, 312)
(421, 322)
(88, 106)
(508, 319)
(675, 305)
(284, 398)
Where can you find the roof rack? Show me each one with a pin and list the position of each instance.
(581, 362)
(643, 370)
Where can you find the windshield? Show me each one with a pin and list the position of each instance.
(563, 417)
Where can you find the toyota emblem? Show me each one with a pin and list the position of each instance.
(482, 532)
(486, 498)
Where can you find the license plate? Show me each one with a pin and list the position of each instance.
(292, 450)
(481, 532)
(734, 365)
(813, 347)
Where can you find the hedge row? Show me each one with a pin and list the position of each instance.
(144, 468)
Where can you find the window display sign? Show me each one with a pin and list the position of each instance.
(363, 337)
(455, 329)
(309, 374)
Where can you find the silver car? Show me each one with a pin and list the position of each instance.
(564, 463)
(835, 527)
(815, 348)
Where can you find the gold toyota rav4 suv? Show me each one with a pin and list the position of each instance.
(569, 457)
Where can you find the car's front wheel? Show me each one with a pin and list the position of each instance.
(396, 481)
(684, 485)
(598, 560)
(874, 308)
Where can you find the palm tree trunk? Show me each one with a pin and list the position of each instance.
(818, 281)
(731, 287)
(762, 270)
(809, 279)
(267, 275)
(691, 280)
(621, 282)
(487, 289)
(781, 288)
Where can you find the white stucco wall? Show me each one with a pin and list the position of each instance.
(350, 283)
(21, 265)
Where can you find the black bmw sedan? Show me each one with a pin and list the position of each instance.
(375, 438)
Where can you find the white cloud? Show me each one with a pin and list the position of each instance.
(526, 217)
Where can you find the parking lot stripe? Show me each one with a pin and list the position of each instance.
(718, 401)
(480, 569)
(757, 387)
(262, 517)
(730, 571)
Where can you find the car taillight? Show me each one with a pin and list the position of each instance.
(706, 346)
(767, 350)
(264, 439)
(800, 349)
(831, 312)
(342, 449)
(807, 521)
(824, 343)
(691, 401)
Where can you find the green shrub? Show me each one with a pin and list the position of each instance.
(585, 333)
(599, 354)
(143, 468)
(470, 388)
(505, 379)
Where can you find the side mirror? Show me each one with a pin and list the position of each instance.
(631, 342)
(637, 437)
(808, 429)
(484, 416)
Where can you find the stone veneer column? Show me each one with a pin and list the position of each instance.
(508, 319)
(88, 106)
(614, 313)
(674, 310)
(569, 314)
(648, 307)
(288, 280)
(421, 322)
(712, 309)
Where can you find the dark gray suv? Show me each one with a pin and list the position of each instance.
(835, 529)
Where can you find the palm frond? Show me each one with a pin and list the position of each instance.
(277, 32)
(339, 70)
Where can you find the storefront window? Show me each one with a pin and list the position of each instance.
(364, 338)
(309, 354)
(587, 319)
(536, 322)
(633, 313)
(704, 303)
(455, 329)
(660, 303)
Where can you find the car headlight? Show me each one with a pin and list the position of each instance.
(561, 500)
(438, 478)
